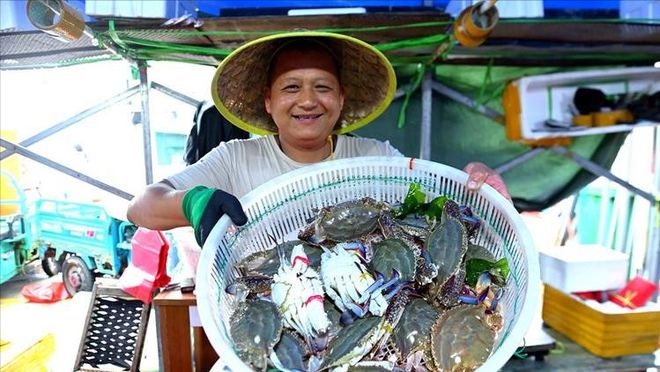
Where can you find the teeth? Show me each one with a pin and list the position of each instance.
(305, 117)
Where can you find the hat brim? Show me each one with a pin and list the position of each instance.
(367, 77)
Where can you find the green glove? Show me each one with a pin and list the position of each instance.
(204, 206)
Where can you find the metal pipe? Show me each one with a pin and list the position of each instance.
(174, 94)
(15, 148)
(467, 101)
(427, 106)
(652, 261)
(75, 118)
(600, 171)
(146, 127)
(519, 160)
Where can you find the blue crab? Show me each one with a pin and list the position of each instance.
(345, 221)
(255, 328)
(249, 286)
(298, 293)
(463, 338)
(363, 336)
(445, 248)
(290, 353)
(350, 284)
(413, 332)
(266, 263)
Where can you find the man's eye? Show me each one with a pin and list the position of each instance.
(323, 88)
(290, 88)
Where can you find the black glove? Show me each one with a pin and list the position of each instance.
(204, 206)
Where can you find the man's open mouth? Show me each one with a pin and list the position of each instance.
(307, 117)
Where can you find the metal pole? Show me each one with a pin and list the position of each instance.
(146, 128)
(174, 94)
(652, 261)
(64, 169)
(74, 119)
(600, 171)
(467, 101)
(518, 160)
(427, 105)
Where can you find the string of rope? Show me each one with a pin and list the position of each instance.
(332, 147)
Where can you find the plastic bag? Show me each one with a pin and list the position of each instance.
(48, 292)
(147, 270)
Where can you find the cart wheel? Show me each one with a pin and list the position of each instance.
(51, 265)
(76, 275)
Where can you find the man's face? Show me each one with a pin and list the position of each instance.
(305, 97)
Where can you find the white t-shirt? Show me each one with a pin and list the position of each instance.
(239, 166)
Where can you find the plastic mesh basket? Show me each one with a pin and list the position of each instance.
(281, 208)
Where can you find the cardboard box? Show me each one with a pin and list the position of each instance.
(604, 334)
(583, 268)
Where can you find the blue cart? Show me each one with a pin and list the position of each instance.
(16, 243)
(82, 241)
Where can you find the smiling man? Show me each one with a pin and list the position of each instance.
(301, 91)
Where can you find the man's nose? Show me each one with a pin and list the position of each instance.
(307, 98)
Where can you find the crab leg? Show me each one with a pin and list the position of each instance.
(380, 288)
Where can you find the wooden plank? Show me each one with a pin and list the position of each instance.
(175, 346)
(578, 32)
(174, 297)
(255, 27)
(204, 354)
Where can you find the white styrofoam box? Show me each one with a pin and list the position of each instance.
(549, 96)
(583, 268)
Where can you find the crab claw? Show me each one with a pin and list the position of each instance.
(319, 343)
(378, 283)
(355, 247)
(239, 290)
(357, 310)
(467, 299)
(406, 286)
(396, 275)
(347, 317)
(498, 295)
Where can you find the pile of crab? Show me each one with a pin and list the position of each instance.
(371, 286)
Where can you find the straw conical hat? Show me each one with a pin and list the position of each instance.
(365, 73)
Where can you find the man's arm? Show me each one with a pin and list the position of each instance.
(158, 207)
(162, 207)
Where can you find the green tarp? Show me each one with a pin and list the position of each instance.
(461, 135)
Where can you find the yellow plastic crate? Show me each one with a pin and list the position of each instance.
(605, 335)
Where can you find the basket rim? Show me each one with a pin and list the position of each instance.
(529, 307)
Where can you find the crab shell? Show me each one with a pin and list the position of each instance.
(290, 352)
(255, 328)
(356, 340)
(345, 221)
(446, 246)
(413, 332)
(461, 339)
(353, 342)
(268, 262)
(391, 254)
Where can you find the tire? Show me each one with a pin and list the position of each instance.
(51, 265)
(77, 277)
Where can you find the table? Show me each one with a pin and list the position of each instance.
(181, 349)
(178, 347)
